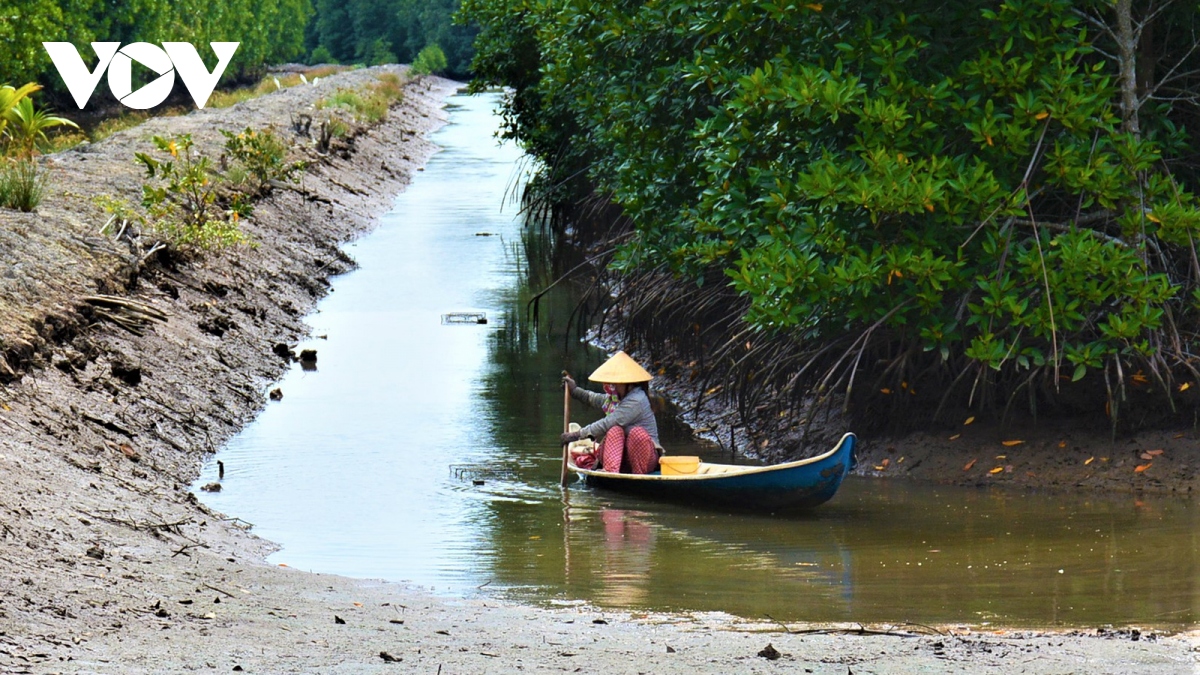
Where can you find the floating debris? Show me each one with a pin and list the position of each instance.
(481, 472)
(464, 318)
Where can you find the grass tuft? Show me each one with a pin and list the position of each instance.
(22, 184)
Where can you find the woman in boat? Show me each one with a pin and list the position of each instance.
(629, 432)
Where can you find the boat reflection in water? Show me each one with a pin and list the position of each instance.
(623, 557)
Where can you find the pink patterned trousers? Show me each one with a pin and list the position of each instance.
(632, 452)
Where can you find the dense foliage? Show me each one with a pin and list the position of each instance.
(22, 128)
(270, 31)
(979, 197)
(379, 31)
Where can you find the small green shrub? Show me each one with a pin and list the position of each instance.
(430, 60)
(27, 127)
(22, 184)
(321, 55)
(379, 53)
(183, 198)
(261, 157)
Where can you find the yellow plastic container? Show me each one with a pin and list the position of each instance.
(678, 465)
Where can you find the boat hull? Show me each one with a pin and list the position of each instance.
(793, 485)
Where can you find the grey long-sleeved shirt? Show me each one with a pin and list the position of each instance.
(632, 411)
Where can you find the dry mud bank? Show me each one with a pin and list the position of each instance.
(108, 564)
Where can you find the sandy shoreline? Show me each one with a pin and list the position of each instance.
(108, 563)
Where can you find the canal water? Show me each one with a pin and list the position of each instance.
(423, 449)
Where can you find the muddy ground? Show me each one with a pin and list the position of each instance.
(108, 564)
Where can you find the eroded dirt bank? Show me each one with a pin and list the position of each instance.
(109, 565)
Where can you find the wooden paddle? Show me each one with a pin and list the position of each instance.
(566, 427)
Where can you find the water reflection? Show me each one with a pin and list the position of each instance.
(427, 452)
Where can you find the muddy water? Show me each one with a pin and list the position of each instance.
(424, 451)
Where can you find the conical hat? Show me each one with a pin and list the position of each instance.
(620, 369)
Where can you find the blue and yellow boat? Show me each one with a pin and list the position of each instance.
(801, 484)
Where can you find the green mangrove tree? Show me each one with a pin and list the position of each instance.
(960, 202)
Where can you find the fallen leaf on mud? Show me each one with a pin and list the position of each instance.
(996, 470)
(879, 467)
(1001, 456)
(1062, 444)
(1154, 453)
(1182, 387)
(885, 462)
(1089, 460)
(357, 604)
(969, 420)
(885, 390)
(954, 437)
(1142, 467)
(1009, 444)
(969, 465)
